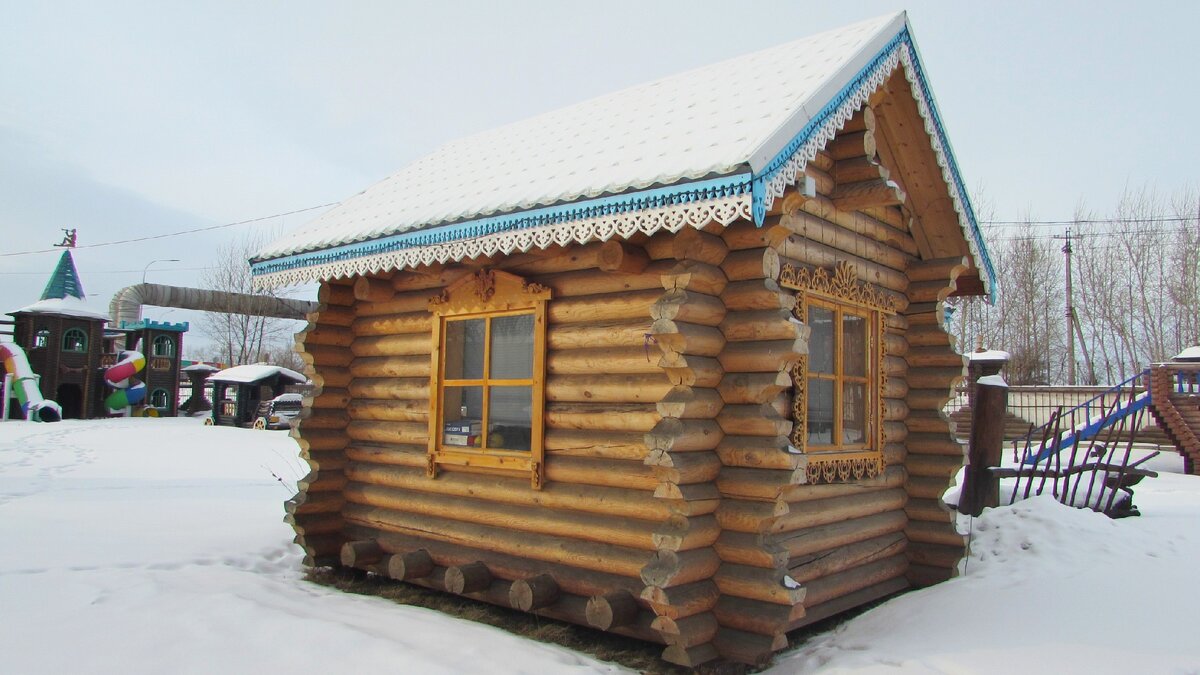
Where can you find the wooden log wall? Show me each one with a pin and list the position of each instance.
(934, 456)
(315, 511)
(674, 508)
(687, 316)
(622, 531)
(793, 552)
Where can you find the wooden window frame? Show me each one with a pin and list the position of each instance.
(163, 339)
(842, 293)
(83, 345)
(166, 399)
(488, 294)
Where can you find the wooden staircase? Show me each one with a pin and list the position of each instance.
(1176, 408)
(1015, 426)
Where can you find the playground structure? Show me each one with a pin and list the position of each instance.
(89, 367)
(85, 360)
(21, 379)
(127, 391)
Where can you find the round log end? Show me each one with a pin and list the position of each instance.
(411, 565)
(469, 578)
(530, 594)
(611, 610)
(360, 553)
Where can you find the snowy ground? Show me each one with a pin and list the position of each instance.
(155, 546)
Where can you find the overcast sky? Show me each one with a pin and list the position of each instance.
(128, 120)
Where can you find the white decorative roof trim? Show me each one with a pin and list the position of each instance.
(777, 181)
(945, 161)
(672, 218)
(783, 172)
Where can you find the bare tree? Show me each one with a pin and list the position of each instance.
(240, 334)
(1137, 290)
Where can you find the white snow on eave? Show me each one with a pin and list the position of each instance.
(68, 306)
(990, 355)
(255, 372)
(704, 122)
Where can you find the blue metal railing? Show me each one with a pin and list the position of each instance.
(1110, 411)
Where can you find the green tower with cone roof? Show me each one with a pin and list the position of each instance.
(64, 281)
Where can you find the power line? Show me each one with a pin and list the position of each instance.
(1090, 221)
(176, 234)
(1080, 235)
(91, 272)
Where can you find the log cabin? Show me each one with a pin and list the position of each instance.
(669, 362)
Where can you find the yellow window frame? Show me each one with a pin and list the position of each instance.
(841, 292)
(488, 294)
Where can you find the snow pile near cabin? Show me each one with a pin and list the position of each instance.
(156, 545)
(1045, 589)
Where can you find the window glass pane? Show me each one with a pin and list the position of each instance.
(41, 339)
(820, 340)
(164, 346)
(462, 416)
(854, 413)
(510, 417)
(74, 341)
(512, 347)
(464, 349)
(820, 412)
(854, 345)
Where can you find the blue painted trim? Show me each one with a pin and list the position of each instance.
(1089, 430)
(760, 180)
(712, 188)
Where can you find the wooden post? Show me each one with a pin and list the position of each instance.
(979, 488)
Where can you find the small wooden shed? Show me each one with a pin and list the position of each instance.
(239, 392)
(669, 362)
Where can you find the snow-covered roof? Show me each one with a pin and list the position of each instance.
(255, 372)
(711, 145)
(68, 306)
(201, 367)
(1189, 354)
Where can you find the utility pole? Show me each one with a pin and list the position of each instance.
(1066, 249)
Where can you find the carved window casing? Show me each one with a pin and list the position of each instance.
(838, 405)
(487, 376)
